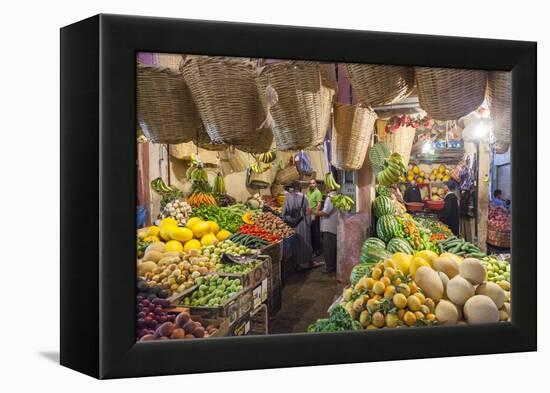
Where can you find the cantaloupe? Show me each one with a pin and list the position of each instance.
(444, 279)
(446, 265)
(492, 290)
(446, 312)
(480, 309)
(156, 246)
(153, 255)
(146, 267)
(428, 280)
(459, 290)
(472, 270)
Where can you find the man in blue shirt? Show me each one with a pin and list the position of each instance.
(497, 199)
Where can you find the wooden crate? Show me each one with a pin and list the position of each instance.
(275, 251)
(259, 321)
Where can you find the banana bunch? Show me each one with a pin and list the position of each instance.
(197, 174)
(159, 186)
(393, 169)
(219, 184)
(268, 157)
(331, 183)
(343, 203)
(256, 167)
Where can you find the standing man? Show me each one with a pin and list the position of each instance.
(329, 222)
(314, 198)
(412, 193)
(449, 214)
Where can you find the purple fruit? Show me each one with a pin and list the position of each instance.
(148, 337)
(162, 319)
(145, 302)
(198, 332)
(189, 327)
(182, 319)
(139, 298)
(141, 322)
(166, 329)
(171, 318)
(141, 314)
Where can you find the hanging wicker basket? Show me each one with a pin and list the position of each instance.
(225, 93)
(448, 93)
(351, 136)
(377, 85)
(297, 102)
(400, 141)
(287, 175)
(499, 97)
(234, 160)
(166, 111)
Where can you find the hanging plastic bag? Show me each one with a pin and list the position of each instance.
(303, 163)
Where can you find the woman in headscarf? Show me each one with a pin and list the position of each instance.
(296, 214)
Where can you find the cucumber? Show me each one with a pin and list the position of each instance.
(460, 253)
(456, 249)
(450, 239)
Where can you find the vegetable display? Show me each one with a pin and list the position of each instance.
(499, 218)
(259, 232)
(273, 224)
(237, 268)
(249, 241)
(215, 252)
(461, 247)
(339, 320)
(229, 218)
(177, 209)
(212, 291)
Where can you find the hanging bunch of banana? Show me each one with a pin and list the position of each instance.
(159, 186)
(268, 157)
(196, 172)
(331, 183)
(393, 169)
(343, 203)
(219, 184)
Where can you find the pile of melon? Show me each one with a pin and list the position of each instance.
(462, 292)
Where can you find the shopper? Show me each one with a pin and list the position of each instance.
(329, 221)
(449, 214)
(412, 193)
(296, 213)
(314, 198)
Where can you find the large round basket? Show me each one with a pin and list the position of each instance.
(297, 102)
(353, 127)
(399, 141)
(448, 93)
(499, 97)
(166, 111)
(380, 84)
(225, 92)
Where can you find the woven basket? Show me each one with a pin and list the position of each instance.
(499, 97)
(400, 141)
(498, 238)
(183, 151)
(449, 94)
(351, 136)
(261, 180)
(377, 85)
(225, 92)
(235, 159)
(501, 148)
(166, 111)
(298, 103)
(287, 175)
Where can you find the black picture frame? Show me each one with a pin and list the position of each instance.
(98, 171)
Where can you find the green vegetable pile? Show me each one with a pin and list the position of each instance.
(338, 320)
(229, 218)
(212, 291)
(249, 241)
(237, 268)
(460, 247)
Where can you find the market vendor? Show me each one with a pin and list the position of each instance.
(329, 220)
(412, 193)
(497, 200)
(314, 198)
(449, 215)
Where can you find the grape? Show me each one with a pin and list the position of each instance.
(141, 315)
(139, 298)
(141, 322)
(145, 302)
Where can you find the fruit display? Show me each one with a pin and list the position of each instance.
(437, 193)
(212, 291)
(259, 232)
(373, 250)
(181, 326)
(228, 218)
(273, 224)
(148, 235)
(330, 183)
(440, 173)
(383, 205)
(388, 227)
(214, 252)
(177, 209)
(342, 202)
(461, 247)
(249, 241)
(237, 268)
(167, 193)
(499, 218)
(397, 244)
(151, 310)
(498, 271)
(437, 230)
(339, 320)
(219, 184)
(172, 271)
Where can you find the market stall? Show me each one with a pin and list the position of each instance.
(221, 248)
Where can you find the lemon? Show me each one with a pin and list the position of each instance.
(214, 227)
(173, 245)
(154, 230)
(209, 239)
(192, 221)
(428, 255)
(200, 229)
(181, 234)
(223, 234)
(168, 221)
(192, 244)
(165, 231)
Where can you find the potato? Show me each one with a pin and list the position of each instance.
(472, 270)
(493, 291)
(428, 280)
(480, 309)
(446, 312)
(459, 290)
(153, 255)
(446, 265)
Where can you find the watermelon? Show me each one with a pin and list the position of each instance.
(384, 191)
(372, 255)
(383, 205)
(358, 272)
(373, 242)
(387, 227)
(398, 244)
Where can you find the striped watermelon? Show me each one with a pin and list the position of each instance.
(398, 244)
(373, 242)
(358, 272)
(383, 205)
(386, 227)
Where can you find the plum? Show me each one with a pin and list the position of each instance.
(189, 327)
(141, 314)
(177, 334)
(198, 332)
(141, 322)
(182, 319)
(166, 329)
